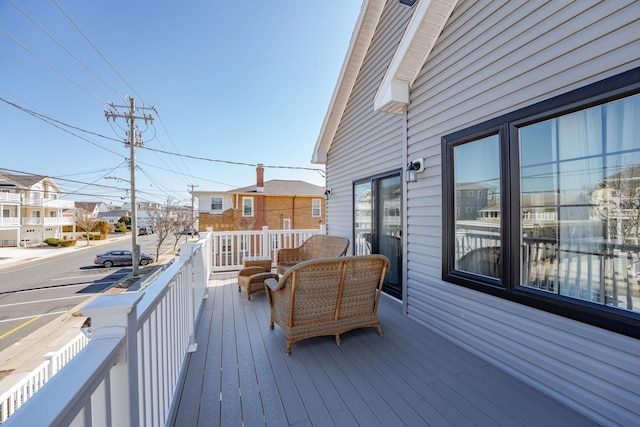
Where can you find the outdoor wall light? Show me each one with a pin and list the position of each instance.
(327, 193)
(413, 169)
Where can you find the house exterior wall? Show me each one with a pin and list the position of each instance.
(276, 209)
(361, 126)
(492, 58)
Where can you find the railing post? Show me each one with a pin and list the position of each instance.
(266, 244)
(187, 250)
(113, 316)
(52, 365)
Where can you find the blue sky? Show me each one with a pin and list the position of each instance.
(237, 81)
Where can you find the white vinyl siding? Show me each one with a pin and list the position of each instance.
(493, 58)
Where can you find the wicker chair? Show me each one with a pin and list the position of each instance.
(316, 246)
(327, 297)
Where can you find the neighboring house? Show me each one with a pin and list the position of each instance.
(277, 204)
(113, 216)
(146, 212)
(30, 210)
(540, 103)
(93, 208)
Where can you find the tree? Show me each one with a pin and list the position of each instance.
(166, 223)
(85, 222)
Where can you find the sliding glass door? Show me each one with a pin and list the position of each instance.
(377, 224)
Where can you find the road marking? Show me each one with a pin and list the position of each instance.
(53, 313)
(17, 328)
(42, 300)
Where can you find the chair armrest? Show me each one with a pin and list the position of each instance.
(250, 271)
(272, 283)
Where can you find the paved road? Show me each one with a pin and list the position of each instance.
(34, 294)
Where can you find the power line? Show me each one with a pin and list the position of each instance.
(97, 50)
(64, 48)
(93, 95)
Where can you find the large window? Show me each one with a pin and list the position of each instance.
(542, 206)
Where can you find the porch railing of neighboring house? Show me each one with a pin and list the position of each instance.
(24, 389)
(9, 197)
(133, 364)
(51, 221)
(5, 221)
(47, 203)
(231, 247)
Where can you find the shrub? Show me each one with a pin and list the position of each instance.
(52, 241)
(67, 243)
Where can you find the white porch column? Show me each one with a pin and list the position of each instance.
(111, 316)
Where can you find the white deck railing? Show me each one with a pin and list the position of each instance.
(129, 371)
(231, 247)
(19, 393)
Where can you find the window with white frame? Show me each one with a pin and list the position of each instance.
(247, 206)
(216, 204)
(316, 208)
(562, 181)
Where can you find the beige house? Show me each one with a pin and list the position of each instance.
(30, 210)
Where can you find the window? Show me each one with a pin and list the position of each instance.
(558, 223)
(216, 204)
(247, 206)
(316, 205)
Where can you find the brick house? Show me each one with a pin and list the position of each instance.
(277, 204)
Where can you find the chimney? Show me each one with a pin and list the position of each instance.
(260, 178)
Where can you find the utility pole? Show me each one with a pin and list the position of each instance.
(131, 119)
(193, 219)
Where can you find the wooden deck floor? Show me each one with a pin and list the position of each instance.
(240, 375)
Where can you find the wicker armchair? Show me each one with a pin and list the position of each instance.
(316, 246)
(327, 297)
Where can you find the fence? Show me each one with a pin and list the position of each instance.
(231, 247)
(129, 370)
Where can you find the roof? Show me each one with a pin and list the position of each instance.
(424, 28)
(275, 187)
(87, 206)
(22, 181)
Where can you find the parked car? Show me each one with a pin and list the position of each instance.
(120, 257)
(143, 231)
(188, 233)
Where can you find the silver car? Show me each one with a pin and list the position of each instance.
(120, 257)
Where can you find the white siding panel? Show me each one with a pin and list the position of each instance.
(492, 58)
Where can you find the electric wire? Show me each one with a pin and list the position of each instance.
(87, 91)
(104, 58)
(64, 48)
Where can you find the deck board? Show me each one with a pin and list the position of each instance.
(240, 375)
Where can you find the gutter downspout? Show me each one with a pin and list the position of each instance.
(405, 210)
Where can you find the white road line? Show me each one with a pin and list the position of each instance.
(74, 277)
(35, 315)
(43, 300)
